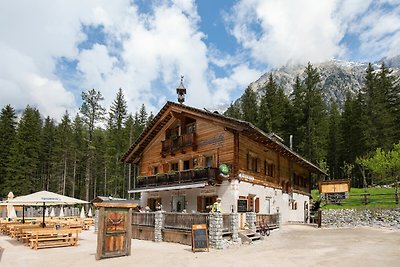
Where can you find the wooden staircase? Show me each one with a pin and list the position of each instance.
(248, 236)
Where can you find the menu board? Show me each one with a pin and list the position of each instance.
(242, 205)
(199, 237)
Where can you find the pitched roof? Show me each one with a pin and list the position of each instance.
(244, 127)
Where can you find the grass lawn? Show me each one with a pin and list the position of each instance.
(378, 198)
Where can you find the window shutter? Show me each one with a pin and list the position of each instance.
(257, 204)
(200, 204)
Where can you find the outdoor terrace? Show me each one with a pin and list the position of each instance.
(210, 175)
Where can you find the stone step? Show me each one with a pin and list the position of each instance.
(248, 236)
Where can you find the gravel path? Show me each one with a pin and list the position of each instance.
(292, 245)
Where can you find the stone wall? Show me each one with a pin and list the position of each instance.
(385, 218)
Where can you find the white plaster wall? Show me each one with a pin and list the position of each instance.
(230, 191)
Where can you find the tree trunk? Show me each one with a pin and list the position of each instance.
(65, 175)
(362, 169)
(397, 190)
(105, 180)
(87, 180)
(73, 179)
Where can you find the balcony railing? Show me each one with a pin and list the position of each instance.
(179, 142)
(210, 175)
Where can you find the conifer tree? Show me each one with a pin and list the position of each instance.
(79, 152)
(64, 152)
(249, 106)
(116, 142)
(8, 124)
(92, 112)
(23, 168)
(297, 119)
(312, 109)
(49, 181)
(233, 112)
(334, 142)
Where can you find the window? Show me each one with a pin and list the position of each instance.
(186, 164)
(174, 166)
(190, 128)
(252, 162)
(204, 203)
(154, 170)
(269, 169)
(208, 161)
(172, 133)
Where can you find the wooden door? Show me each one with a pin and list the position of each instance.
(114, 236)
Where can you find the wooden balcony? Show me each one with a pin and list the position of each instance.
(170, 146)
(210, 175)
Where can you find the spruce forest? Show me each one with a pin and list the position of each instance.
(338, 140)
(76, 157)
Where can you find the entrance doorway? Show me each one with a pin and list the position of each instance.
(178, 203)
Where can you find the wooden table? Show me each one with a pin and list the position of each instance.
(47, 238)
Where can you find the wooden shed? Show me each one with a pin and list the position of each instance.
(334, 186)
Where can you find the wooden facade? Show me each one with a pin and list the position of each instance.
(184, 146)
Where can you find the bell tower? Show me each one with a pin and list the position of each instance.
(181, 91)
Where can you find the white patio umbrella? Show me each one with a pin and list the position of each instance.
(83, 213)
(11, 214)
(61, 212)
(52, 213)
(45, 198)
(90, 215)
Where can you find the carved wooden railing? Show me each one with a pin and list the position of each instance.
(210, 175)
(179, 142)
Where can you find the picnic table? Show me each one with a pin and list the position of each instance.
(46, 238)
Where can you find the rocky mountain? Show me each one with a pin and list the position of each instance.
(337, 77)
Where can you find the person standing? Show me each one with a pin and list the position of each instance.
(217, 206)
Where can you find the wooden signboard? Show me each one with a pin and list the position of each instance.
(242, 205)
(199, 237)
(114, 232)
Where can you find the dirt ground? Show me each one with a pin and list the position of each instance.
(292, 245)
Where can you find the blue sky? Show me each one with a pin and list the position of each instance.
(52, 50)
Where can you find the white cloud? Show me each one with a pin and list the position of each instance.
(239, 78)
(379, 31)
(283, 32)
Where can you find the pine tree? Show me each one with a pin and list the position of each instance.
(334, 142)
(23, 169)
(297, 119)
(273, 109)
(249, 106)
(92, 112)
(233, 112)
(50, 179)
(312, 143)
(8, 124)
(63, 150)
(79, 152)
(116, 142)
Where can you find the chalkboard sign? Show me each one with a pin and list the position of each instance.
(199, 237)
(242, 205)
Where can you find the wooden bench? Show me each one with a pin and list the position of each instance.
(47, 238)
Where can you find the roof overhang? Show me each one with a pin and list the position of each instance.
(167, 188)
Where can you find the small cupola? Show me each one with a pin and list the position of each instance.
(181, 91)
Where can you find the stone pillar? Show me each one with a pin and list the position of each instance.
(251, 220)
(234, 226)
(215, 230)
(96, 220)
(158, 226)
